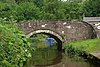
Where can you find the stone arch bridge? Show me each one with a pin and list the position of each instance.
(63, 31)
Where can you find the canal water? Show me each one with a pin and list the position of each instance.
(49, 56)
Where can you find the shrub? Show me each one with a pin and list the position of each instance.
(14, 48)
(83, 47)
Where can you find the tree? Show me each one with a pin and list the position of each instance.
(26, 11)
(8, 1)
(41, 9)
(92, 8)
(74, 9)
(51, 9)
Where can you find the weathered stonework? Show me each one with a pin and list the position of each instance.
(95, 23)
(62, 31)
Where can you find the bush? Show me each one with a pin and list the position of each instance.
(14, 48)
(83, 47)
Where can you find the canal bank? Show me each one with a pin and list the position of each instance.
(96, 54)
(90, 48)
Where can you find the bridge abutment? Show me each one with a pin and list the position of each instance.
(95, 23)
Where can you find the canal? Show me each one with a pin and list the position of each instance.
(48, 56)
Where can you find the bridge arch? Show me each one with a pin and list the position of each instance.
(50, 33)
(93, 29)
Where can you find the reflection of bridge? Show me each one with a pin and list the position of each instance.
(61, 31)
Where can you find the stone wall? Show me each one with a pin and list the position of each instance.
(95, 23)
(96, 26)
(64, 30)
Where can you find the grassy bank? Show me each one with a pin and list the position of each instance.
(83, 46)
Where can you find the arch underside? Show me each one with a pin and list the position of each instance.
(52, 34)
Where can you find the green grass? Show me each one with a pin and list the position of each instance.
(87, 46)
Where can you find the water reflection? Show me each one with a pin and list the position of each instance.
(45, 57)
(50, 57)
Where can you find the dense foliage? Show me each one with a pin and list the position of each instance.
(14, 48)
(48, 9)
(41, 9)
(91, 8)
